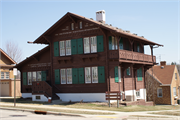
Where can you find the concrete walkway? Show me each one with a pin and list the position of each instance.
(116, 115)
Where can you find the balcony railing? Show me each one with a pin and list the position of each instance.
(129, 55)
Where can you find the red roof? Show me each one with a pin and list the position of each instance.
(163, 75)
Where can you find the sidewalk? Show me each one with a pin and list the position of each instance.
(117, 114)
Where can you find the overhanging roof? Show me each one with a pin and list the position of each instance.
(115, 30)
(6, 55)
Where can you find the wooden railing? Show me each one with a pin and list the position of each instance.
(129, 55)
(41, 87)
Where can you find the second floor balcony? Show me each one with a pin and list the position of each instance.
(131, 56)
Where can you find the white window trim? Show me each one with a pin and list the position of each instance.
(119, 73)
(89, 75)
(64, 75)
(67, 76)
(66, 47)
(28, 78)
(80, 25)
(86, 45)
(72, 26)
(158, 93)
(91, 46)
(92, 74)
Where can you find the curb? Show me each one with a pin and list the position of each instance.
(41, 112)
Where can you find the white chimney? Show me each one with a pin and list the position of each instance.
(100, 16)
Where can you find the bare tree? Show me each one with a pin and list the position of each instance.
(13, 50)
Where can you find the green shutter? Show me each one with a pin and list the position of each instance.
(100, 45)
(110, 42)
(116, 74)
(57, 76)
(101, 74)
(73, 47)
(43, 75)
(81, 75)
(24, 78)
(74, 75)
(80, 45)
(56, 48)
(121, 44)
(139, 74)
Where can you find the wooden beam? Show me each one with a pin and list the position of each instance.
(72, 19)
(104, 33)
(36, 58)
(48, 38)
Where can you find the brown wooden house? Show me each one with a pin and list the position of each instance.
(84, 59)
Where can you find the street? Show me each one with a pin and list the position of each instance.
(20, 115)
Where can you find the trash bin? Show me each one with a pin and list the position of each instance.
(49, 99)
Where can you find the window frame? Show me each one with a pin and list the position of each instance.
(66, 49)
(175, 76)
(174, 91)
(38, 76)
(90, 48)
(63, 76)
(28, 78)
(2, 74)
(80, 25)
(72, 26)
(139, 95)
(96, 74)
(158, 92)
(88, 75)
(69, 75)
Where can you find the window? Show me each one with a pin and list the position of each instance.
(90, 45)
(69, 76)
(93, 45)
(175, 76)
(29, 78)
(86, 45)
(72, 26)
(137, 93)
(68, 47)
(159, 92)
(87, 75)
(94, 75)
(80, 25)
(119, 73)
(62, 48)
(128, 72)
(2, 75)
(65, 47)
(38, 75)
(174, 91)
(139, 74)
(34, 76)
(138, 47)
(113, 43)
(63, 76)
(7, 75)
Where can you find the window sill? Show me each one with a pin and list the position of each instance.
(65, 59)
(89, 56)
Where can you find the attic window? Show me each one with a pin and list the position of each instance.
(72, 26)
(80, 25)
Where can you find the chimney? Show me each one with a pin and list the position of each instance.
(100, 16)
(163, 63)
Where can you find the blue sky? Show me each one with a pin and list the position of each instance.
(156, 20)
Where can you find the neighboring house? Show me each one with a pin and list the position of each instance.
(165, 82)
(7, 78)
(84, 59)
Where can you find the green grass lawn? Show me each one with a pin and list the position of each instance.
(95, 105)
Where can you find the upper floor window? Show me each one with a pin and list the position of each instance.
(113, 43)
(38, 75)
(2, 75)
(159, 92)
(80, 25)
(72, 26)
(138, 47)
(175, 76)
(65, 47)
(90, 45)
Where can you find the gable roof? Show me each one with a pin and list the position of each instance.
(163, 75)
(116, 30)
(7, 56)
(32, 56)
